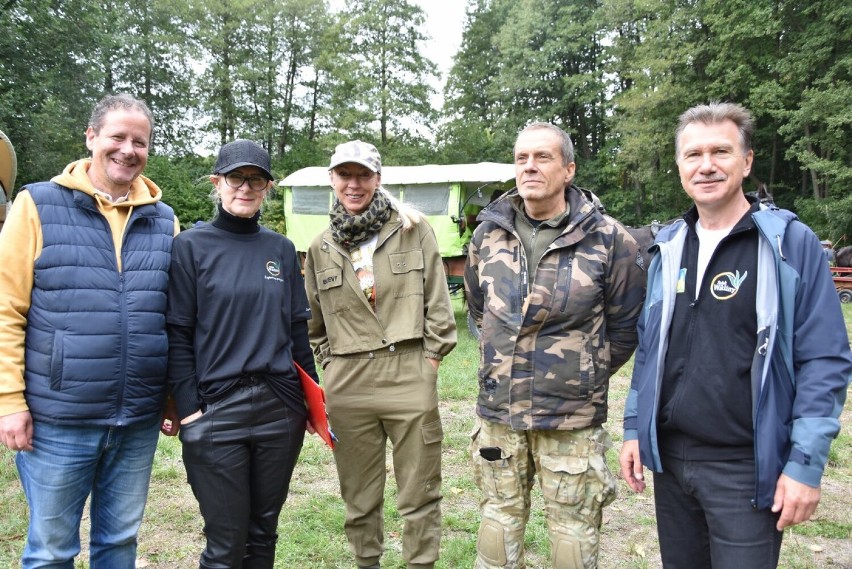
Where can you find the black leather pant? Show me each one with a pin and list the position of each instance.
(239, 457)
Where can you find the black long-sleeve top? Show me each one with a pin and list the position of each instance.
(237, 307)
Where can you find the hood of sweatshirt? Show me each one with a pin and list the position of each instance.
(75, 176)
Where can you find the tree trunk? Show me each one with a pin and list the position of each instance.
(814, 178)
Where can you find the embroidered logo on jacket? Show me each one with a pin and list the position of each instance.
(274, 270)
(725, 286)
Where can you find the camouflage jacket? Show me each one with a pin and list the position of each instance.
(550, 340)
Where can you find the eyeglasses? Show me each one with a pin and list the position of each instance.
(255, 183)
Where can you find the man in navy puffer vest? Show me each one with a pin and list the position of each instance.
(83, 346)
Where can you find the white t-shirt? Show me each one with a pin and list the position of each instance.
(708, 240)
(362, 262)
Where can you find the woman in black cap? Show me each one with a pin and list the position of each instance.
(237, 319)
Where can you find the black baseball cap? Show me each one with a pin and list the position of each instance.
(242, 152)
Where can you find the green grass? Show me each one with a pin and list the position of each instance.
(311, 524)
(824, 528)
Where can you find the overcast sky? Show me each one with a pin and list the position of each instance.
(444, 23)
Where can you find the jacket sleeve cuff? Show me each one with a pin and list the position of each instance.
(433, 355)
(631, 434)
(13, 403)
(322, 353)
(187, 402)
(809, 475)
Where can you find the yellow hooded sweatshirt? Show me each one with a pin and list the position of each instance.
(20, 247)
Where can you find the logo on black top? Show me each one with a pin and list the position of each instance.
(725, 286)
(273, 268)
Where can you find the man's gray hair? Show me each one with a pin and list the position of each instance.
(715, 113)
(565, 144)
(124, 102)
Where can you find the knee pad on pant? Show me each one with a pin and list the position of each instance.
(567, 553)
(491, 545)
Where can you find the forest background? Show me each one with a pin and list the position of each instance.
(300, 76)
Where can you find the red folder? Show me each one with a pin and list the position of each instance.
(315, 400)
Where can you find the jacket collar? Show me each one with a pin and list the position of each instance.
(581, 209)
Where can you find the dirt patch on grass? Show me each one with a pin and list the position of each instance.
(311, 528)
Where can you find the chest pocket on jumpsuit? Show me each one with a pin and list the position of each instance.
(407, 269)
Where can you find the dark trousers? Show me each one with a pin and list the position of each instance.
(239, 458)
(705, 519)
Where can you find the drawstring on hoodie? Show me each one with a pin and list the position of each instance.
(780, 251)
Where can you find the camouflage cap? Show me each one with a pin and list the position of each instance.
(359, 152)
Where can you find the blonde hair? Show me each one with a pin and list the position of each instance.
(408, 216)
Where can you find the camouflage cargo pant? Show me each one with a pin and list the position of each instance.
(575, 481)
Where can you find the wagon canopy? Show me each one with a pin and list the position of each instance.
(482, 172)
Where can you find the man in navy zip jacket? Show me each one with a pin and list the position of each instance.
(742, 366)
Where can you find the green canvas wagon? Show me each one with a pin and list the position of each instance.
(450, 196)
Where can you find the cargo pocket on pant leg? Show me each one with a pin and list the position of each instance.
(432, 432)
(606, 482)
(564, 478)
(499, 542)
(496, 478)
(564, 484)
(430, 461)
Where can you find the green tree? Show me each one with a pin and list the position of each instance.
(658, 57)
(555, 72)
(47, 86)
(380, 68)
(550, 72)
(817, 67)
(304, 25)
(468, 93)
(147, 50)
(471, 108)
(788, 62)
(259, 59)
(225, 30)
(185, 184)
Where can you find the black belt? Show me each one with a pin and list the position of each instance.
(249, 380)
(244, 380)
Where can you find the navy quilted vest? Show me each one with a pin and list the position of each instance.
(96, 345)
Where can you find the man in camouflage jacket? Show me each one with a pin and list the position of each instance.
(556, 288)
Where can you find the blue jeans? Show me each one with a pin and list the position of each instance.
(66, 465)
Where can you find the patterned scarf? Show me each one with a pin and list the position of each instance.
(352, 230)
